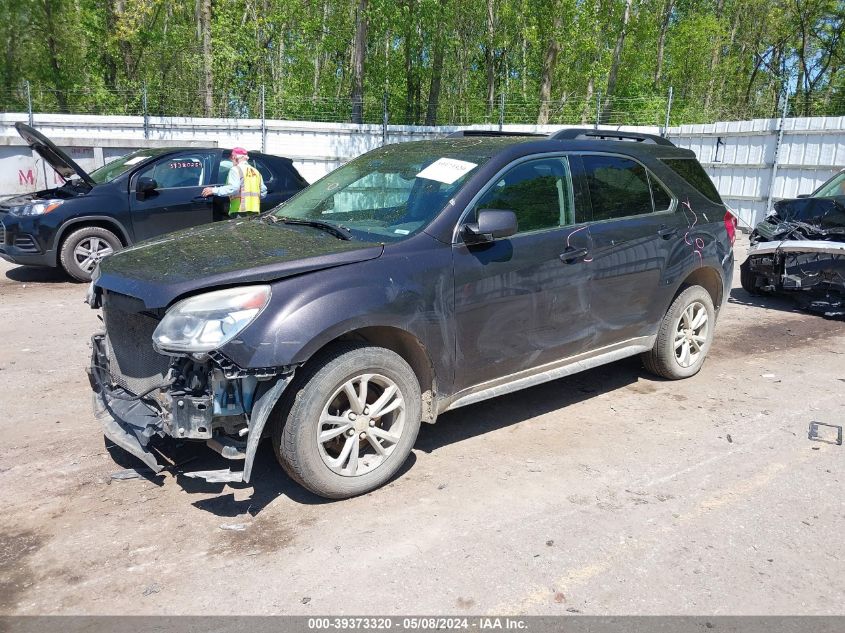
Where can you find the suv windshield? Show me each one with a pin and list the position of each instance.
(115, 168)
(395, 191)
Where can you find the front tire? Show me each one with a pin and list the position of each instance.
(350, 422)
(83, 249)
(684, 337)
(747, 279)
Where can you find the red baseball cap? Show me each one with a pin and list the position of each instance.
(239, 151)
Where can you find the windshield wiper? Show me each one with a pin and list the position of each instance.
(338, 231)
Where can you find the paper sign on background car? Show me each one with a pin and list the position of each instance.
(446, 170)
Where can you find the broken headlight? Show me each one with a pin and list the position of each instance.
(208, 321)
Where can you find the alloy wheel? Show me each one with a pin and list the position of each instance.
(90, 251)
(361, 424)
(691, 334)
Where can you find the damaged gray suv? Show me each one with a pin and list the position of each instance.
(416, 279)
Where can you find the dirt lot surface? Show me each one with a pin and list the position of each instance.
(606, 492)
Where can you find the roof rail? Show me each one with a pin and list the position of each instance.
(610, 135)
(462, 133)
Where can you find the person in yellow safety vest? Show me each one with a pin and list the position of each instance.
(244, 186)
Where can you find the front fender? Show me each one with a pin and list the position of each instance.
(75, 222)
(409, 292)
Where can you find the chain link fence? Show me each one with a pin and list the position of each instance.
(594, 109)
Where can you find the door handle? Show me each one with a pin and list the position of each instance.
(666, 232)
(202, 199)
(571, 255)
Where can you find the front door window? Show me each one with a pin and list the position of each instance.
(538, 191)
(180, 170)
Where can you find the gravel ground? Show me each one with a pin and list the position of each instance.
(609, 492)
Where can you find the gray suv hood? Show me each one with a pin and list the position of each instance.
(224, 254)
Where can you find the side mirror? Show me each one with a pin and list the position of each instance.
(492, 224)
(145, 186)
(803, 195)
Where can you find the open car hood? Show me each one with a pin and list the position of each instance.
(63, 164)
(224, 254)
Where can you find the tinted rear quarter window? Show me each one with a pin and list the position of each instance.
(292, 178)
(691, 170)
(619, 187)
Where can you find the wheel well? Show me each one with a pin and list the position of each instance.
(411, 350)
(708, 279)
(103, 224)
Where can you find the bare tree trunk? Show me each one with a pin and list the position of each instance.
(829, 90)
(360, 51)
(588, 101)
(734, 28)
(549, 62)
(436, 70)
(418, 76)
(116, 12)
(714, 58)
(462, 83)
(53, 51)
(318, 56)
(668, 7)
(110, 62)
(279, 66)
(488, 56)
(617, 55)
(411, 56)
(206, 80)
(346, 68)
(524, 70)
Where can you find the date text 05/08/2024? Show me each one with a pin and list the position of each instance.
(418, 623)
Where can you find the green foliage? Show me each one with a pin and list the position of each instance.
(723, 58)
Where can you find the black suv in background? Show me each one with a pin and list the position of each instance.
(417, 278)
(133, 198)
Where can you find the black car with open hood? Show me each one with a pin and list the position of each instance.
(142, 195)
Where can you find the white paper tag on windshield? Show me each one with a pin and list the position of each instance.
(446, 170)
(135, 159)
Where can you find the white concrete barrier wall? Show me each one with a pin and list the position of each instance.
(738, 155)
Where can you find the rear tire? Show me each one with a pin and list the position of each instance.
(336, 444)
(684, 337)
(83, 249)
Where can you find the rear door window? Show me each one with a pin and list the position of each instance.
(619, 187)
(226, 165)
(264, 170)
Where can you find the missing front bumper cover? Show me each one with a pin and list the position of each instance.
(132, 422)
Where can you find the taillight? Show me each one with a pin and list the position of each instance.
(730, 226)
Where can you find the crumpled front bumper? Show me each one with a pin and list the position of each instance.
(127, 421)
(132, 422)
(811, 271)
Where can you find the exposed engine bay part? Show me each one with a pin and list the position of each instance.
(198, 402)
(800, 251)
